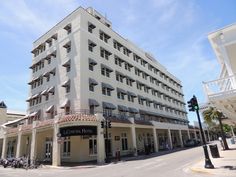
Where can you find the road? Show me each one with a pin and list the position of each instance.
(170, 165)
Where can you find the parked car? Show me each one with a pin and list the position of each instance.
(192, 143)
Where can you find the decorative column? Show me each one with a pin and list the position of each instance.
(188, 134)
(155, 140)
(195, 134)
(170, 139)
(18, 147)
(100, 140)
(181, 139)
(33, 147)
(4, 147)
(56, 153)
(133, 134)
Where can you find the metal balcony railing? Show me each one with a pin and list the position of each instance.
(220, 87)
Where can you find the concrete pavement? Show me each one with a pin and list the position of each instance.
(224, 166)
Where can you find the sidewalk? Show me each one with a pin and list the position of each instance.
(224, 166)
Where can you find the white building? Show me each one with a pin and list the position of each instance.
(221, 92)
(82, 67)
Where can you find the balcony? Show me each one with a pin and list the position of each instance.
(221, 94)
(221, 88)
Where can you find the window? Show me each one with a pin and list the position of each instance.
(105, 71)
(136, 57)
(129, 82)
(130, 98)
(139, 85)
(126, 51)
(120, 95)
(68, 28)
(68, 47)
(147, 103)
(119, 77)
(124, 141)
(118, 61)
(106, 91)
(140, 101)
(104, 53)
(117, 45)
(66, 147)
(68, 89)
(107, 112)
(91, 45)
(92, 145)
(91, 27)
(91, 87)
(103, 36)
(128, 66)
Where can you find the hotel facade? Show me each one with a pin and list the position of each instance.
(82, 74)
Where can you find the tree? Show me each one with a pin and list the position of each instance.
(211, 115)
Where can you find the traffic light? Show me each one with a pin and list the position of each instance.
(190, 105)
(193, 104)
(109, 123)
(102, 124)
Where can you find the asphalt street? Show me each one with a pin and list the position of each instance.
(170, 165)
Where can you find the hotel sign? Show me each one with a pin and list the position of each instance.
(78, 130)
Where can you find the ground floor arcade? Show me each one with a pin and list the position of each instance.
(80, 138)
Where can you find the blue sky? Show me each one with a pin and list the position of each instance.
(174, 31)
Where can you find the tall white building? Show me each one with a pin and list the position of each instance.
(221, 92)
(84, 72)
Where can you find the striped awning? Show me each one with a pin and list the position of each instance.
(107, 86)
(123, 108)
(107, 105)
(133, 110)
(93, 102)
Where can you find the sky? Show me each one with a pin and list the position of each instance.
(174, 31)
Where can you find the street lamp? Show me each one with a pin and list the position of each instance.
(193, 106)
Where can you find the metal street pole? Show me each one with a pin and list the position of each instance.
(208, 163)
(107, 160)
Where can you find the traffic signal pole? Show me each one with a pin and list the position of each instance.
(107, 160)
(193, 106)
(208, 163)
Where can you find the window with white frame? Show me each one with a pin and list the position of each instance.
(92, 145)
(124, 141)
(66, 147)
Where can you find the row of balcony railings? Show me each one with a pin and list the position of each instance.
(220, 87)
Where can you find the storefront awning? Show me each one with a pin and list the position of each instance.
(107, 105)
(44, 92)
(66, 103)
(107, 67)
(50, 109)
(66, 64)
(133, 110)
(141, 97)
(51, 89)
(66, 83)
(131, 94)
(107, 86)
(93, 102)
(121, 90)
(92, 62)
(33, 114)
(92, 81)
(123, 108)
